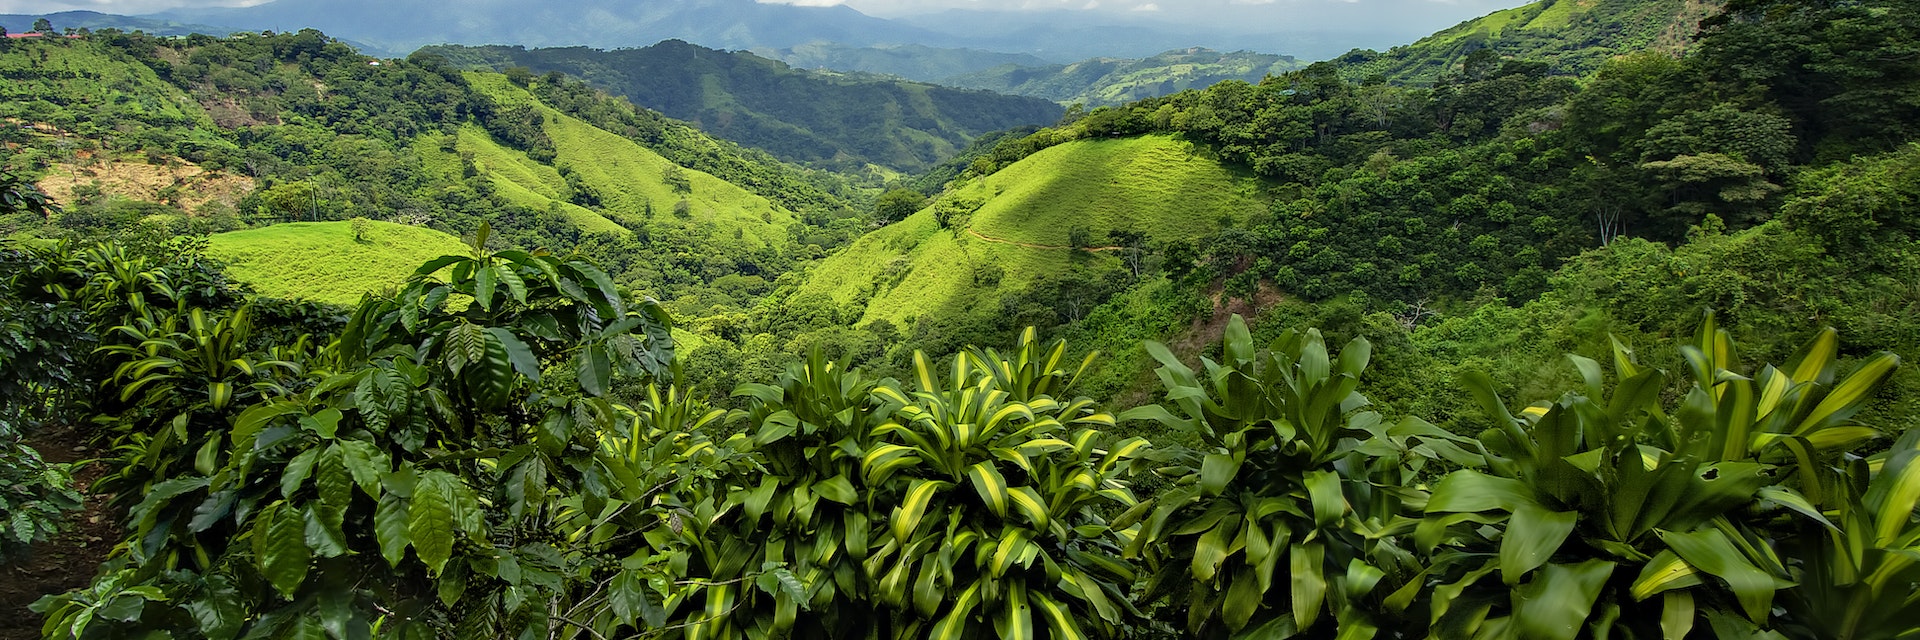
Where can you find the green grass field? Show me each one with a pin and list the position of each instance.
(1152, 184)
(321, 261)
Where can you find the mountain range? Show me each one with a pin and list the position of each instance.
(844, 122)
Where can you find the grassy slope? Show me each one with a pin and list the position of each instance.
(1571, 36)
(627, 175)
(1151, 183)
(321, 261)
(107, 80)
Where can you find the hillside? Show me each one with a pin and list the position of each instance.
(1573, 37)
(205, 135)
(910, 61)
(832, 121)
(1112, 81)
(1023, 227)
(328, 261)
(632, 184)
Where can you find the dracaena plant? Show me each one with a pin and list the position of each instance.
(775, 549)
(426, 477)
(1608, 511)
(1857, 560)
(1295, 514)
(996, 490)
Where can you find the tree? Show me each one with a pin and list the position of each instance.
(1133, 247)
(895, 205)
(42, 26)
(676, 177)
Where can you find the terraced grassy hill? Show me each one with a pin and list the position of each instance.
(324, 262)
(633, 184)
(1025, 220)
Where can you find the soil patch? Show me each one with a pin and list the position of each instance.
(178, 183)
(70, 559)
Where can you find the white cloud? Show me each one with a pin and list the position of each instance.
(1147, 7)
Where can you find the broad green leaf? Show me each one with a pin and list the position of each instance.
(1472, 491)
(430, 520)
(1309, 583)
(517, 352)
(1850, 395)
(628, 595)
(1664, 572)
(1533, 535)
(837, 489)
(1016, 616)
(1709, 550)
(906, 517)
(1555, 604)
(953, 626)
(286, 559)
(990, 485)
(1676, 616)
(391, 528)
(1060, 621)
(1329, 504)
(1216, 471)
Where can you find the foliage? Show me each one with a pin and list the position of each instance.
(1610, 509)
(1299, 503)
(34, 497)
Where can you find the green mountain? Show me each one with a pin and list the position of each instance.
(910, 61)
(207, 135)
(1021, 221)
(1572, 37)
(837, 121)
(1112, 81)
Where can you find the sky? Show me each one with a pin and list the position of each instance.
(1245, 15)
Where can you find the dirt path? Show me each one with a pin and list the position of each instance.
(1030, 245)
(70, 559)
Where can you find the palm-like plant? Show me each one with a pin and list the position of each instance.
(1301, 499)
(787, 533)
(1857, 562)
(997, 528)
(1598, 502)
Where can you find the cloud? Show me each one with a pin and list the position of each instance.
(122, 7)
(1147, 7)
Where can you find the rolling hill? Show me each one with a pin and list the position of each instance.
(1572, 36)
(631, 182)
(1024, 225)
(831, 121)
(324, 262)
(1112, 81)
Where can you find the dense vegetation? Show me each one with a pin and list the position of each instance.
(839, 122)
(518, 441)
(519, 466)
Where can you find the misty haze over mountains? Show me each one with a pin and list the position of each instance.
(1306, 29)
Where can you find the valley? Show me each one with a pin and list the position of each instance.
(1572, 320)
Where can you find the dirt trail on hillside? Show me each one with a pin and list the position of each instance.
(1030, 245)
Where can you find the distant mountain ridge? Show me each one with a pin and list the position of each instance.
(20, 23)
(397, 27)
(1112, 81)
(837, 122)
